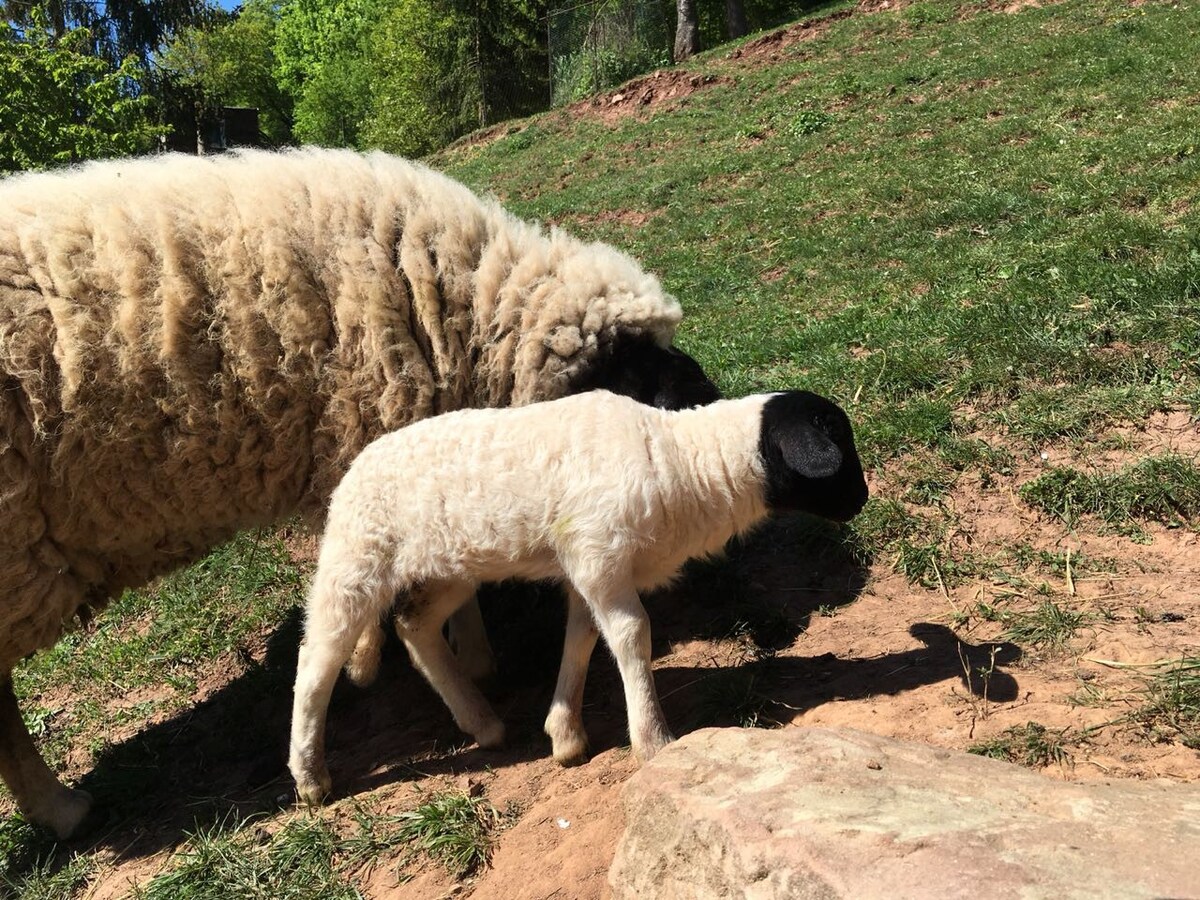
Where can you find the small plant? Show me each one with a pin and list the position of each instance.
(1172, 707)
(1030, 745)
(735, 697)
(453, 828)
(1050, 625)
(1162, 488)
(806, 121)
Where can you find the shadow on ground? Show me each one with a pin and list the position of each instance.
(224, 759)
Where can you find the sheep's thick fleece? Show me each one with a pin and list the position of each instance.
(191, 346)
(605, 494)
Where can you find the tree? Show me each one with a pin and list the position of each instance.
(322, 52)
(445, 67)
(687, 30)
(115, 29)
(60, 103)
(735, 19)
(233, 63)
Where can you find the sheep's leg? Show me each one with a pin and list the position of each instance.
(564, 724)
(622, 620)
(38, 793)
(337, 615)
(469, 639)
(420, 627)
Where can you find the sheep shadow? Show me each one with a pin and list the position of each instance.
(224, 759)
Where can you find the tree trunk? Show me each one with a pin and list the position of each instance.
(687, 31)
(735, 19)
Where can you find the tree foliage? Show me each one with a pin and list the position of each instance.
(60, 103)
(323, 63)
(233, 63)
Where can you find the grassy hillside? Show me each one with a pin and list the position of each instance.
(976, 228)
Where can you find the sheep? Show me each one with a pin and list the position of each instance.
(190, 347)
(596, 491)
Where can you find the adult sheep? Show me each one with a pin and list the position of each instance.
(190, 347)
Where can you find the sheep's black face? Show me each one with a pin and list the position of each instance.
(807, 447)
(639, 368)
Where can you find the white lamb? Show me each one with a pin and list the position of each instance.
(604, 494)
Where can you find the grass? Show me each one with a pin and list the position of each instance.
(1171, 710)
(1030, 745)
(309, 856)
(976, 231)
(453, 828)
(1163, 488)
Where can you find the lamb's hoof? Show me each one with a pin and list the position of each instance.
(490, 736)
(568, 739)
(64, 813)
(646, 749)
(571, 752)
(313, 790)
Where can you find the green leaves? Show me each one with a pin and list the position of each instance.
(59, 103)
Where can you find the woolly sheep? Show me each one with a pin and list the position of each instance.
(606, 495)
(189, 347)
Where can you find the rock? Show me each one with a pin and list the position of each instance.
(819, 813)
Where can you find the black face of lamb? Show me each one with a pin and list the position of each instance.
(637, 367)
(807, 447)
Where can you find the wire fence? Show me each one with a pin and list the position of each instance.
(597, 44)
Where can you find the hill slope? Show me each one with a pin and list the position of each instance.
(976, 226)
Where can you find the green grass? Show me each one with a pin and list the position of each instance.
(453, 828)
(1162, 488)
(1030, 745)
(158, 638)
(310, 857)
(1171, 710)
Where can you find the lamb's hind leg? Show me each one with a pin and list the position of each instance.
(419, 622)
(38, 793)
(339, 608)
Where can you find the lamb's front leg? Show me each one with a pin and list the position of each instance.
(622, 620)
(38, 793)
(564, 724)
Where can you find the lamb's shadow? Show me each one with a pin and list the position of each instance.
(224, 758)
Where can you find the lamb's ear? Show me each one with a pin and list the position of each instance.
(807, 451)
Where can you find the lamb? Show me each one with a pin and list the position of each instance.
(190, 347)
(608, 496)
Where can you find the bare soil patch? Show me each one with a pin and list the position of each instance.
(645, 96)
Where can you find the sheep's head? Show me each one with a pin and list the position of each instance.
(807, 449)
(637, 367)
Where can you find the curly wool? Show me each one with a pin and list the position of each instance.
(191, 346)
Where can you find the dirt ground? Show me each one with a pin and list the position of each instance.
(788, 630)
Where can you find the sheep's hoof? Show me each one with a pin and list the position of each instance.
(568, 739)
(312, 791)
(573, 752)
(64, 813)
(646, 748)
(490, 736)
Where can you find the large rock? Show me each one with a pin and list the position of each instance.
(817, 813)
